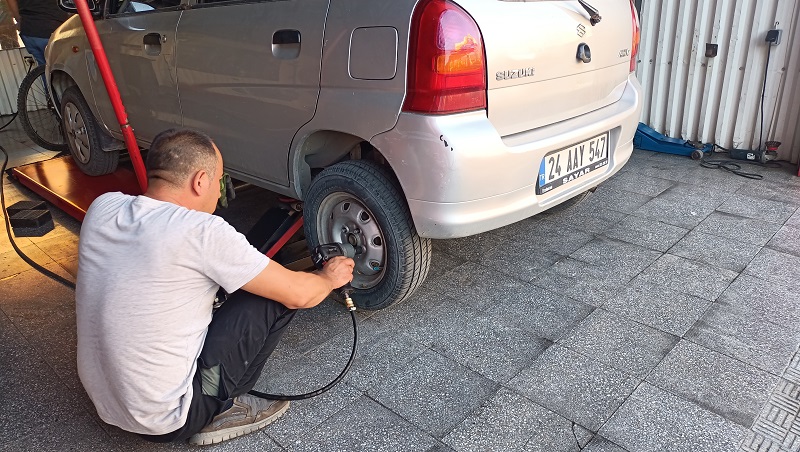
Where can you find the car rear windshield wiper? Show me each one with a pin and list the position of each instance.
(594, 14)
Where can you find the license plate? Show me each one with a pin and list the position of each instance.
(569, 164)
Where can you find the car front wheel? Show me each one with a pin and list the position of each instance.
(360, 203)
(83, 136)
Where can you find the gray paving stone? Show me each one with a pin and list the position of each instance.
(550, 236)
(519, 259)
(442, 262)
(675, 212)
(721, 252)
(305, 415)
(734, 333)
(696, 195)
(620, 343)
(509, 421)
(311, 328)
(655, 420)
(739, 228)
(434, 393)
(600, 444)
(622, 259)
(637, 183)
(759, 208)
(579, 281)
(718, 383)
(380, 354)
(544, 313)
(794, 220)
(775, 266)
(710, 179)
(587, 216)
(39, 413)
(765, 301)
(770, 187)
(618, 200)
(648, 233)
(465, 248)
(786, 240)
(364, 426)
(574, 386)
(689, 277)
(487, 344)
(411, 312)
(474, 283)
(656, 306)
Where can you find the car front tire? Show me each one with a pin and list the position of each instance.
(359, 202)
(83, 136)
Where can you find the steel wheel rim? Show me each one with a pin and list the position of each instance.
(344, 219)
(75, 130)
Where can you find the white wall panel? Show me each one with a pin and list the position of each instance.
(693, 97)
(12, 71)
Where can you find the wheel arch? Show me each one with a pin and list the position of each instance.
(324, 148)
(60, 81)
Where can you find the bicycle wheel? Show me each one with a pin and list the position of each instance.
(38, 114)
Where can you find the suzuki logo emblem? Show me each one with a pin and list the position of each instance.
(581, 30)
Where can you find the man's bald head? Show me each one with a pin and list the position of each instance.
(177, 154)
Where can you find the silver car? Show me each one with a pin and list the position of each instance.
(394, 122)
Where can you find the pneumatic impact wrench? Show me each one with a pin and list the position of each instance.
(325, 252)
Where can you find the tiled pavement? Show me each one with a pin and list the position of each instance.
(659, 314)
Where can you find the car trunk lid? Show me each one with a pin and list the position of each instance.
(534, 75)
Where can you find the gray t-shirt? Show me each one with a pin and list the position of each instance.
(148, 272)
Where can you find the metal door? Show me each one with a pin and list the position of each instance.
(248, 75)
(141, 51)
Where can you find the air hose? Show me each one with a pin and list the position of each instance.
(351, 307)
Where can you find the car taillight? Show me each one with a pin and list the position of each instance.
(446, 64)
(637, 33)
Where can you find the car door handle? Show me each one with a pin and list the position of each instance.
(286, 37)
(152, 43)
(286, 44)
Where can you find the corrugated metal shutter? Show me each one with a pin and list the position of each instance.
(12, 71)
(691, 96)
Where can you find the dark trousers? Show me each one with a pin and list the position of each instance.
(243, 333)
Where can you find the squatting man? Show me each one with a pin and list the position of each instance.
(154, 357)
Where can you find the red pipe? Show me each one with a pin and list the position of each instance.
(113, 92)
(273, 250)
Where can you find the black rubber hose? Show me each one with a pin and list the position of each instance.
(325, 388)
(41, 269)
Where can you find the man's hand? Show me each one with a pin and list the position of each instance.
(339, 271)
(299, 290)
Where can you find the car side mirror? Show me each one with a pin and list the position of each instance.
(70, 7)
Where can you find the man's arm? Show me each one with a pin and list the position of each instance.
(298, 290)
(14, 8)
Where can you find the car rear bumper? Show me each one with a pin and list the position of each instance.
(461, 178)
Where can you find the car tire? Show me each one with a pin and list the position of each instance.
(359, 202)
(83, 136)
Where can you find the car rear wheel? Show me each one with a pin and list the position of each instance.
(83, 136)
(359, 202)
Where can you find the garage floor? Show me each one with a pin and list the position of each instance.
(659, 314)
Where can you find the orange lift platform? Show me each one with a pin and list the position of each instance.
(60, 182)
